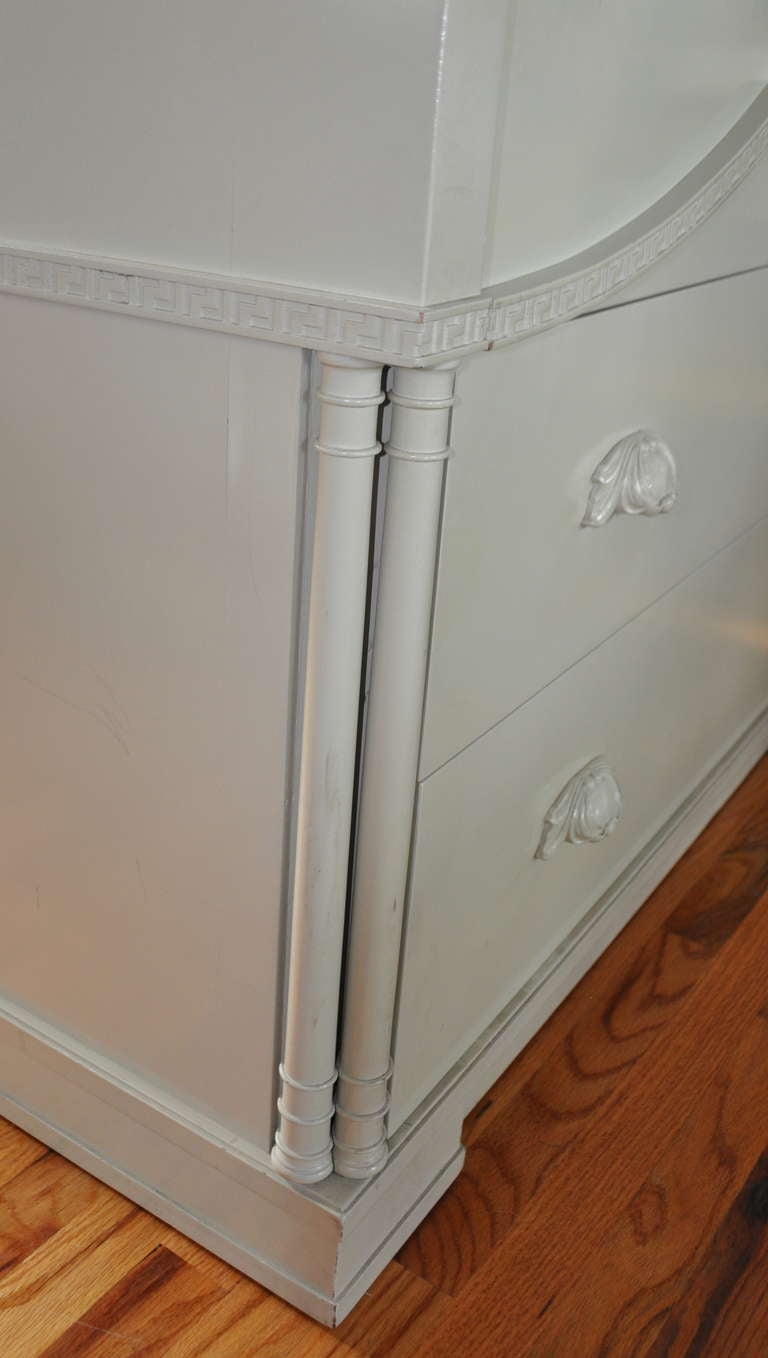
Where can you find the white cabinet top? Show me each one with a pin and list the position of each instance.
(391, 173)
(343, 145)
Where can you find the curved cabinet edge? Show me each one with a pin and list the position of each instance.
(391, 332)
(585, 281)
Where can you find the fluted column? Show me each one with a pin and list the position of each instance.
(421, 406)
(350, 394)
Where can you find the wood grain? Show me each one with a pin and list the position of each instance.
(724, 1309)
(596, 1178)
(632, 999)
(147, 1306)
(656, 1249)
(614, 1204)
(742, 816)
(37, 1202)
(17, 1151)
(398, 1313)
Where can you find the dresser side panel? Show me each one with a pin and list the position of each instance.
(149, 487)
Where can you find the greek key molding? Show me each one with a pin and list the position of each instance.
(380, 331)
(390, 332)
(617, 261)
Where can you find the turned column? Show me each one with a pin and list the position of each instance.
(416, 452)
(349, 395)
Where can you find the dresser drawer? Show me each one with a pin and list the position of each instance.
(660, 702)
(523, 588)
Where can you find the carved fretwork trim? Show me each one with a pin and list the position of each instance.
(390, 332)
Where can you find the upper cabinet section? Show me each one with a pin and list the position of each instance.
(403, 154)
(608, 104)
(343, 145)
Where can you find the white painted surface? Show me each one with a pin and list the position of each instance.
(469, 79)
(322, 1249)
(146, 601)
(397, 332)
(405, 152)
(638, 475)
(148, 511)
(350, 396)
(318, 1249)
(523, 590)
(607, 106)
(485, 1060)
(417, 449)
(344, 146)
(585, 811)
(660, 700)
(734, 238)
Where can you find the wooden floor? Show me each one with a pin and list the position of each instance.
(614, 1202)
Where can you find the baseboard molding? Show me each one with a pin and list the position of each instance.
(318, 1248)
(241, 1255)
(401, 1194)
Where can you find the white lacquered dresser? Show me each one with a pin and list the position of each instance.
(383, 568)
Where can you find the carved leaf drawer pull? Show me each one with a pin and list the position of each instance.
(638, 476)
(588, 808)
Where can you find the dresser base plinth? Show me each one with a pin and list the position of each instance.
(319, 1248)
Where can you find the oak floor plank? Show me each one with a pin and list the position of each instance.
(146, 1307)
(223, 1276)
(223, 1330)
(596, 1177)
(623, 1009)
(396, 1314)
(650, 1259)
(38, 1202)
(116, 1347)
(17, 1151)
(243, 1324)
(723, 1312)
(56, 1284)
(101, 1214)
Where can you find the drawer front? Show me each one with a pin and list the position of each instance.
(523, 588)
(657, 704)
